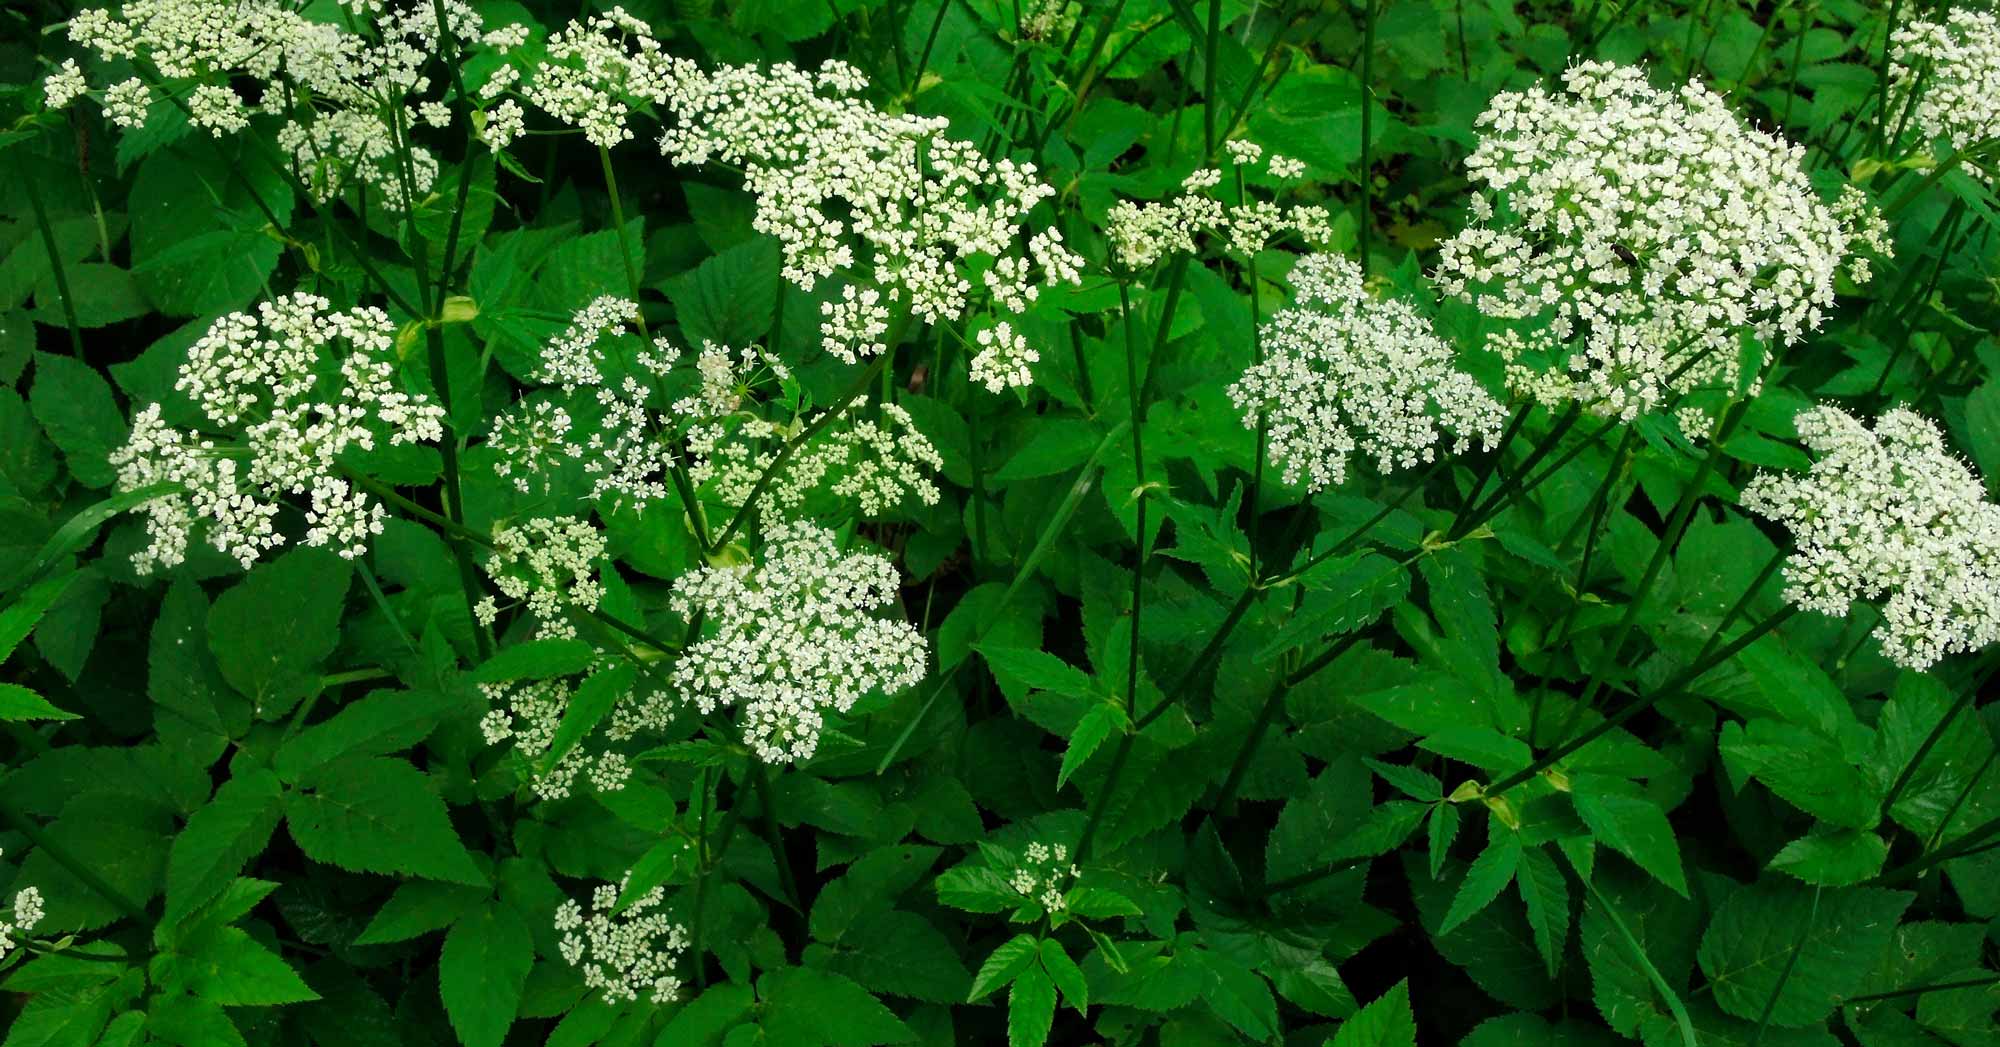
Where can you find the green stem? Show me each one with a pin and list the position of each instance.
(1364, 222)
(1917, 990)
(1677, 523)
(791, 448)
(1347, 542)
(1924, 750)
(916, 82)
(84, 873)
(56, 268)
(1675, 687)
(762, 783)
(1213, 41)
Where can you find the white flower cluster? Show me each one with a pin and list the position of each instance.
(22, 918)
(1952, 68)
(1143, 233)
(1344, 372)
(1048, 20)
(626, 453)
(64, 85)
(1630, 237)
(1004, 359)
(876, 461)
(527, 713)
(624, 952)
(1045, 875)
(346, 91)
(302, 382)
(596, 68)
(1889, 512)
(550, 564)
(844, 185)
(793, 638)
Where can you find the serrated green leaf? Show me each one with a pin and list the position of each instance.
(536, 660)
(378, 815)
(1833, 858)
(1630, 824)
(813, 1008)
(1747, 952)
(220, 840)
(18, 703)
(1031, 1008)
(1387, 1022)
(271, 631)
(1546, 894)
(1003, 965)
(1490, 874)
(74, 404)
(229, 967)
(484, 965)
(588, 706)
(1096, 725)
(381, 723)
(1066, 975)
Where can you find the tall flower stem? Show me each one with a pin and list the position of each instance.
(56, 267)
(452, 495)
(1705, 659)
(1364, 219)
(676, 464)
(1677, 523)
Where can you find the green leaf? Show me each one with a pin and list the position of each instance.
(19, 703)
(481, 972)
(227, 966)
(19, 617)
(729, 298)
(186, 1021)
(1096, 725)
(418, 907)
(1055, 445)
(200, 241)
(1031, 1008)
(384, 722)
(1839, 935)
(1004, 964)
(812, 1008)
(271, 631)
(1630, 824)
(74, 404)
(1833, 858)
(221, 838)
(536, 660)
(591, 702)
(1034, 669)
(1387, 1022)
(378, 815)
(1066, 975)
(1239, 995)
(1490, 874)
(1341, 597)
(1547, 896)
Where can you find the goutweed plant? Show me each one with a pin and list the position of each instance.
(1142, 522)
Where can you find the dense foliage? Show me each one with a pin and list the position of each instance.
(846, 522)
